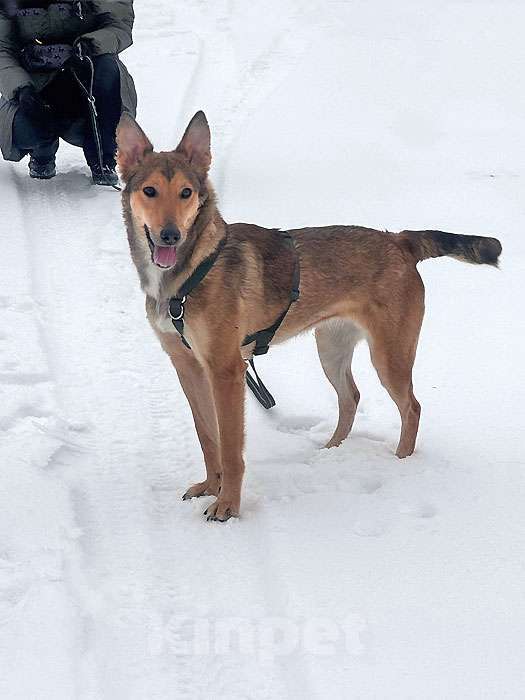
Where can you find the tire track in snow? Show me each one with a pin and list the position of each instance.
(253, 82)
(89, 355)
(234, 89)
(261, 76)
(37, 530)
(125, 490)
(240, 95)
(238, 99)
(44, 204)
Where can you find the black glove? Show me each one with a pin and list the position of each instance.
(32, 103)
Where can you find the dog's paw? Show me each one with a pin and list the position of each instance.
(333, 443)
(223, 509)
(205, 488)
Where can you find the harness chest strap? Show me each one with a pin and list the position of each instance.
(262, 338)
(176, 303)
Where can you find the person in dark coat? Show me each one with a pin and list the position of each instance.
(46, 48)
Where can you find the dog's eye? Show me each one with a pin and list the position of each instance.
(149, 191)
(186, 193)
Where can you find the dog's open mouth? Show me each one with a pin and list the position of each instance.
(164, 256)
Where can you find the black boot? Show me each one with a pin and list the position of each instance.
(105, 176)
(42, 169)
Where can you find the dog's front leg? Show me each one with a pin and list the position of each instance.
(196, 386)
(227, 377)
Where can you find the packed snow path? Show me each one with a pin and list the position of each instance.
(350, 574)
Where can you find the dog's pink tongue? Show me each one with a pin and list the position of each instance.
(165, 256)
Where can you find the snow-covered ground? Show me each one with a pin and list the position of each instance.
(350, 574)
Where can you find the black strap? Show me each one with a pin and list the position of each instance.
(176, 303)
(88, 92)
(258, 389)
(201, 270)
(264, 338)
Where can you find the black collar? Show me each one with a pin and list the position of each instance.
(176, 303)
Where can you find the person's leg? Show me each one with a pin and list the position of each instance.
(38, 134)
(106, 91)
(35, 135)
(66, 99)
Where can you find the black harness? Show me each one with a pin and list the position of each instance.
(176, 303)
(262, 339)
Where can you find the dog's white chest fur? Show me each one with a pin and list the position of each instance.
(153, 282)
(152, 286)
(163, 321)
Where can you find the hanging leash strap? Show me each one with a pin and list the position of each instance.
(92, 107)
(262, 338)
(256, 386)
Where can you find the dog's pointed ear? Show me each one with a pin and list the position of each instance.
(133, 145)
(195, 144)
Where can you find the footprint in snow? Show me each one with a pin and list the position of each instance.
(369, 528)
(421, 510)
(370, 486)
(369, 436)
(298, 424)
(360, 485)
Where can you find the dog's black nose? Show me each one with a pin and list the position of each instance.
(170, 235)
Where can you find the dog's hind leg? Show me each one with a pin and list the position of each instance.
(395, 374)
(336, 340)
(392, 351)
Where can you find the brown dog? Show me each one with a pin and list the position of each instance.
(355, 283)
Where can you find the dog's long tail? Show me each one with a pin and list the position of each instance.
(479, 250)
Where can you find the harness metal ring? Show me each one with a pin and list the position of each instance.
(181, 314)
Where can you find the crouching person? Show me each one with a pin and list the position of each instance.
(53, 55)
